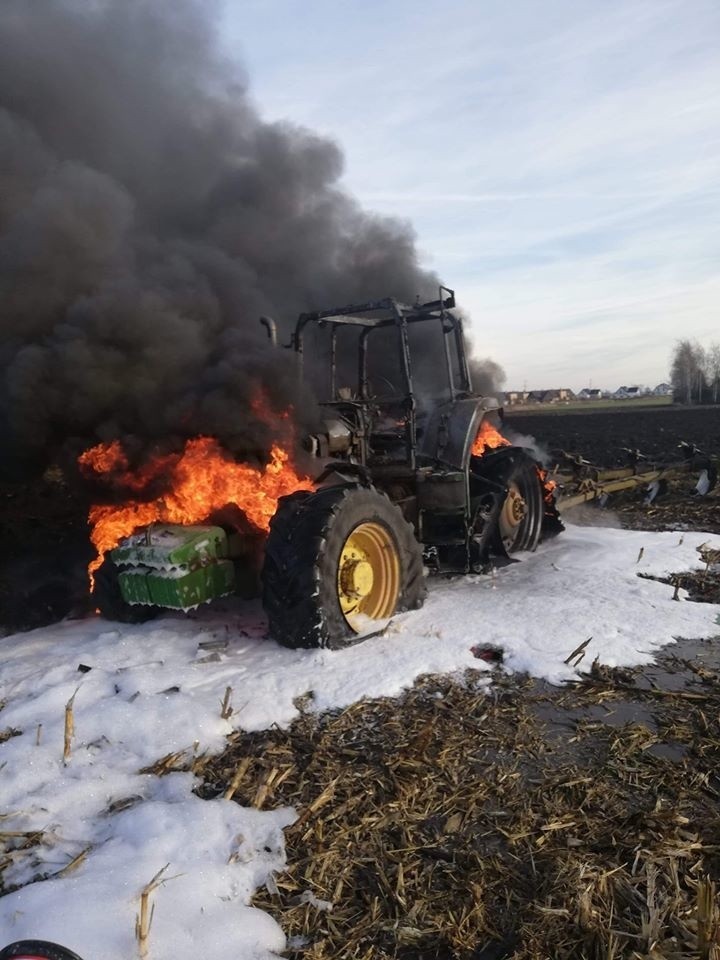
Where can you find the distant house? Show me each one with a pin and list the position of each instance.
(590, 393)
(627, 393)
(561, 395)
(663, 390)
(516, 396)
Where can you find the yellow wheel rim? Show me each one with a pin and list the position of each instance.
(512, 515)
(368, 576)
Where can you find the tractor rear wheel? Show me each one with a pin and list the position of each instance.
(338, 564)
(521, 517)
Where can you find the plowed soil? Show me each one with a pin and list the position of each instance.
(600, 435)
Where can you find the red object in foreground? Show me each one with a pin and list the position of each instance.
(37, 950)
(480, 652)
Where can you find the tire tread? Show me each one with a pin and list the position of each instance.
(301, 605)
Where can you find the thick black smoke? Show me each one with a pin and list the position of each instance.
(148, 216)
(487, 375)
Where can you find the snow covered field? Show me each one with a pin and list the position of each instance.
(158, 688)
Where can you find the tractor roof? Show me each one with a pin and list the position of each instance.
(381, 313)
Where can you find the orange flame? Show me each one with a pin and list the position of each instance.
(548, 485)
(488, 438)
(104, 458)
(201, 479)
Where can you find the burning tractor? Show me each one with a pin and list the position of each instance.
(406, 482)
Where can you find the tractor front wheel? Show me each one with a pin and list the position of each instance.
(338, 564)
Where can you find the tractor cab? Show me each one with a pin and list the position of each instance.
(389, 366)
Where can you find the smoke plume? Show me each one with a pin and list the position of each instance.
(148, 217)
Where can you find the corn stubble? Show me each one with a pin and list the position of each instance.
(450, 823)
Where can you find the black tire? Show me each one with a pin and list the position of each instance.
(302, 557)
(38, 950)
(524, 483)
(109, 599)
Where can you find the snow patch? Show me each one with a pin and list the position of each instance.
(152, 690)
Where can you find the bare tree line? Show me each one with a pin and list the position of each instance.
(695, 372)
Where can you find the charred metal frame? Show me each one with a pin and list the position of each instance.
(392, 313)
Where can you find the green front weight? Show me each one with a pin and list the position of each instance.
(178, 593)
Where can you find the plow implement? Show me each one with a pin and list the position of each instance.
(578, 481)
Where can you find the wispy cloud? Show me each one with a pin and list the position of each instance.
(560, 161)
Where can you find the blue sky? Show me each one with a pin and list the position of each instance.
(559, 160)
